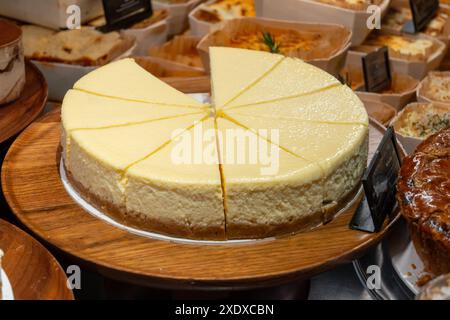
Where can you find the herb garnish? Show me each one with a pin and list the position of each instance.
(270, 42)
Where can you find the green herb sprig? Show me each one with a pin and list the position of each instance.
(270, 42)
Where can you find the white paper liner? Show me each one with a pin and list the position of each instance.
(7, 291)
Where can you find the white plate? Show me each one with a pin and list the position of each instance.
(7, 292)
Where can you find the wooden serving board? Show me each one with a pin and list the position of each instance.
(33, 189)
(17, 115)
(33, 272)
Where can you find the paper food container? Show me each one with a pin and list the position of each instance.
(61, 76)
(180, 77)
(162, 68)
(312, 11)
(410, 143)
(180, 51)
(382, 112)
(415, 68)
(399, 4)
(147, 36)
(422, 95)
(328, 54)
(403, 88)
(178, 14)
(200, 28)
(49, 13)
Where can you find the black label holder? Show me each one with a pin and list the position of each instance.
(379, 184)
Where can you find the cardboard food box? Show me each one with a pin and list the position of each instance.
(408, 142)
(162, 68)
(199, 27)
(313, 11)
(402, 91)
(180, 51)
(380, 111)
(422, 94)
(415, 68)
(328, 54)
(178, 12)
(49, 13)
(148, 33)
(397, 5)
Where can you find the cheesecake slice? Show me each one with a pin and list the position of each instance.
(82, 110)
(339, 149)
(290, 78)
(317, 107)
(125, 79)
(12, 64)
(262, 197)
(98, 158)
(228, 80)
(178, 189)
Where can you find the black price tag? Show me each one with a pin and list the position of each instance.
(380, 186)
(377, 70)
(423, 11)
(121, 14)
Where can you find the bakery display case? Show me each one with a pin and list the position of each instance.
(246, 149)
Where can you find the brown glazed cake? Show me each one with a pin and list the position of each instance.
(12, 65)
(424, 199)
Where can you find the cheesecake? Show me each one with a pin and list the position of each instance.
(280, 149)
(12, 64)
(423, 195)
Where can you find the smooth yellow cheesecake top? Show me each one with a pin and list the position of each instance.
(125, 79)
(122, 146)
(229, 80)
(87, 111)
(315, 107)
(291, 78)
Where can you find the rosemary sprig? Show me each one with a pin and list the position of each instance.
(270, 42)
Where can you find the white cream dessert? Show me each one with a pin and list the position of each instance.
(12, 64)
(123, 129)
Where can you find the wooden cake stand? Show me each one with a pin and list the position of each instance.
(33, 188)
(33, 272)
(17, 115)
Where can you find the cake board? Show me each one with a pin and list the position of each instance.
(33, 273)
(118, 254)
